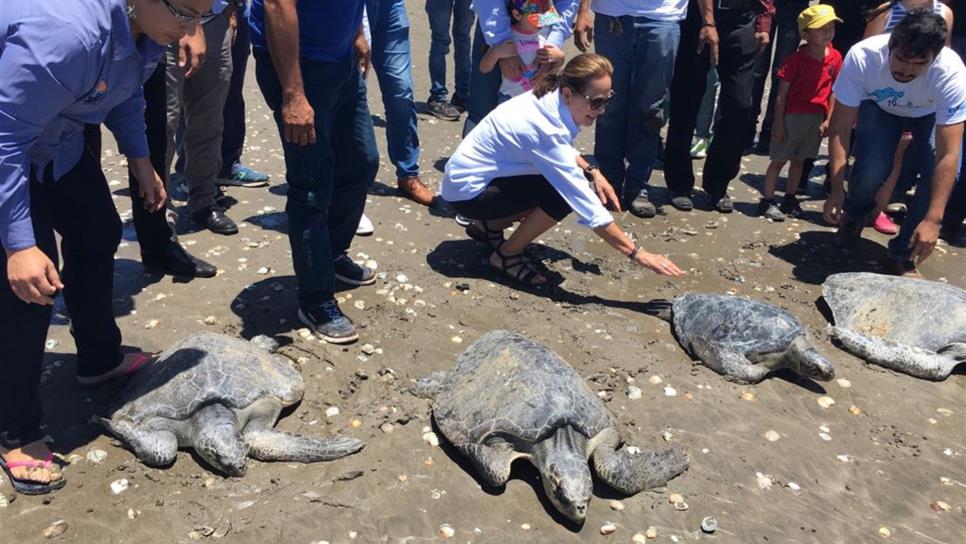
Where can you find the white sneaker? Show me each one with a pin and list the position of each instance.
(463, 221)
(365, 227)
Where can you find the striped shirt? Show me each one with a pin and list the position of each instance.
(898, 12)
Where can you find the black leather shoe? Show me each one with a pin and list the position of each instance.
(214, 219)
(174, 260)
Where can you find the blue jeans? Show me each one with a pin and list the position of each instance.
(877, 134)
(484, 88)
(327, 180)
(642, 51)
(392, 62)
(233, 133)
(440, 13)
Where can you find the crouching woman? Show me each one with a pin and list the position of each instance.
(520, 164)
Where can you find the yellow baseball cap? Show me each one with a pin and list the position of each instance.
(816, 16)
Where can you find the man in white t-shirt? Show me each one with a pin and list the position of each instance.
(890, 84)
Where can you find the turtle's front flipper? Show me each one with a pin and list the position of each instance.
(492, 463)
(269, 444)
(910, 360)
(153, 448)
(731, 364)
(632, 473)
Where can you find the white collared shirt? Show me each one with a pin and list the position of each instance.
(523, 136)
(660, 10)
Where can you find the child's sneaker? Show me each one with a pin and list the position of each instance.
(883, 223)
(767, 208)
(791, 207)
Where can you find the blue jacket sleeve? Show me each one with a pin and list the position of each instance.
(494, 20)
(564, 29)
(126, 122)
(44, 69)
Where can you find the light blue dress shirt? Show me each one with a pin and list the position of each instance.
(63, 65)
(524, 136)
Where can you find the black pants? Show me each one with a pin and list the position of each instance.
(736, 30)
(154, 232)
(513, 195)
(79, 208)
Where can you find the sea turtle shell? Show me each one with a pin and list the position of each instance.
(507, 387)
(206, 368)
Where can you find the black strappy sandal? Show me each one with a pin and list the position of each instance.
(525, 273)
(492, 237)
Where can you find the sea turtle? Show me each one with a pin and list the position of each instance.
(913, 326)
(508, 397)
(741, 338)
(221, 396)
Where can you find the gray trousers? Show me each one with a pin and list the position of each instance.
(201, 100)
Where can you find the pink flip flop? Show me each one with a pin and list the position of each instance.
(128, 366)
(30, 487)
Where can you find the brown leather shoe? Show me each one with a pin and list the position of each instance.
(415, 189)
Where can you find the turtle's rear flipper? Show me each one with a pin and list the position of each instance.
(632, 473)
(911, 360)
(429, 386)
(267, 444)
(660, 308)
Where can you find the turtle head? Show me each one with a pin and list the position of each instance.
(217, 441)
(807, 361)
(568, 484)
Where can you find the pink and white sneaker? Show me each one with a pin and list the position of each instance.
(884, 224)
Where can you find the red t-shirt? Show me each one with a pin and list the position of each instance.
(810, 79)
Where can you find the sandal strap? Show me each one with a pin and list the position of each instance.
(32, 463)
(525, 270)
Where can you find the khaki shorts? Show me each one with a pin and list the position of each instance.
(802, 137)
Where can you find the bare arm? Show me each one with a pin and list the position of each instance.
(615, 237)
(839, 142)
(708, 35)
(949, 140)
(584, 26)
(494, 54)
(877, 24)
(282, 27)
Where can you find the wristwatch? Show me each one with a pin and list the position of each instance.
(589, 172)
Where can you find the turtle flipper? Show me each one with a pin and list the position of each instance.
(909, 360)
(153, 448)
(492, 463)
(729, 363)
(632, 473)
(268, 444)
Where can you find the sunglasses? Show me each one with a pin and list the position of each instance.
(598, 102)
(181, 16)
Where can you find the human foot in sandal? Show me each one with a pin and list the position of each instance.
(486, 232)
(516, 267)
(31, 469)
(131, 363)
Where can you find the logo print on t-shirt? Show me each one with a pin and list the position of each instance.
(888, 94)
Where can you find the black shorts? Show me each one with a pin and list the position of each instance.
(510, 196)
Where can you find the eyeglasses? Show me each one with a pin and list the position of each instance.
(598, 102)
(181, 16)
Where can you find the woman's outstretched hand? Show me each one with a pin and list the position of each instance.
(659, 264)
